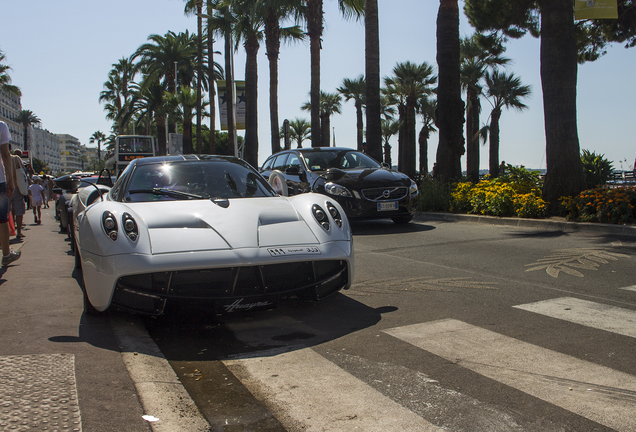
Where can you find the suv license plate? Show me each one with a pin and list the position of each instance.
(387, 206)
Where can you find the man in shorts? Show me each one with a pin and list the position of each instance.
(17, 203)
(6, 190)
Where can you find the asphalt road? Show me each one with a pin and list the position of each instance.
(449, 326)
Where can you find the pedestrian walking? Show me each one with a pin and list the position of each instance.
(6, 190)
(45, 185)
(36, 193)
(17, 204)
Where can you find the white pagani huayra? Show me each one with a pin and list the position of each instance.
(205, 228)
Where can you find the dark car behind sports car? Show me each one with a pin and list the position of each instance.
(362, 186)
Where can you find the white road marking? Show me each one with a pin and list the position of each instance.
(587, 313)
(629, 288)
(302, 387)
(161, 393)
(598, 393)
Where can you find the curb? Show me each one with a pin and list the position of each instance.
(545, 224)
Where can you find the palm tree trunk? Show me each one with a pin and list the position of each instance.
(199, 69)
(314, 29)
(564, 176)
(272, 43)
(423, 142)
(229, 93)
(325, 124)
(372, 72)
(493, 154)
(360, 129)
(251, 102)
(450, 107)
(472, 141)
(401, 137)
(387, 153)
(160, 122)
(211, 80)
(187, 136)
(410, 158)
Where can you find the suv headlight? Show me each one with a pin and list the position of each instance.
(413, 189)
(337, 190)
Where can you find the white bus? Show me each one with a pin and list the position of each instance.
(129, 148)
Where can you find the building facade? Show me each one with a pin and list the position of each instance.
(46, 147)
(70, 153)
(10, 107)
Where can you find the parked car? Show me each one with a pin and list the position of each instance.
(363, 187)
(206, 228)
(67, 186)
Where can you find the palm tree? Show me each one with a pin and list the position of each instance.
(427, 108)
(249, 28)
(196, 7)
(330, 103)
(116, 93)
(355, 89)
(98, 137)
(411, 82)
(184, 103)
(211, 6)
(315, 17)
(223, 22)
(505, 91)
(26, 118)
(274, 12)
(372, 71)
(148, 101)
(450, 107)
(389, 128)
(5, 79)
(158, 57)
(478, 53)
(299, 131)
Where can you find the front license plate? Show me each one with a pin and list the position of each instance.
(287, 251)
(387, 206)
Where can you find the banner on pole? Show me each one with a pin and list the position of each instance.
(595, 9)
(239, 91)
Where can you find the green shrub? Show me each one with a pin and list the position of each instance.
(434, 196)
(597, 169)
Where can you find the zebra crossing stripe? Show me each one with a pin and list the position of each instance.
(629, 288)
(587, 313)
(307, 389)
(595, 392)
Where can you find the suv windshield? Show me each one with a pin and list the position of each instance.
(343, 159)
(195, 180)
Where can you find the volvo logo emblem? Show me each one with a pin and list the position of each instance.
(386, 193)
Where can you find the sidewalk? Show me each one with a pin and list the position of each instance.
(61, 370)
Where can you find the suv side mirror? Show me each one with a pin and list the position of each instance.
(292, 170)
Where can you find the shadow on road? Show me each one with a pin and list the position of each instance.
(197, 334)
(382, 226)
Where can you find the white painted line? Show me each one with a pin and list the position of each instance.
(598, 393)
(629, 288)
(587, 313)
(161, 393)
(308, 392)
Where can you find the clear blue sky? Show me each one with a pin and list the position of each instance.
(61, 52)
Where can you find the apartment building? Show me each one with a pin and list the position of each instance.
(70, 152)
(10, 106)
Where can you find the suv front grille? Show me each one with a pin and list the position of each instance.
(378, 194)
